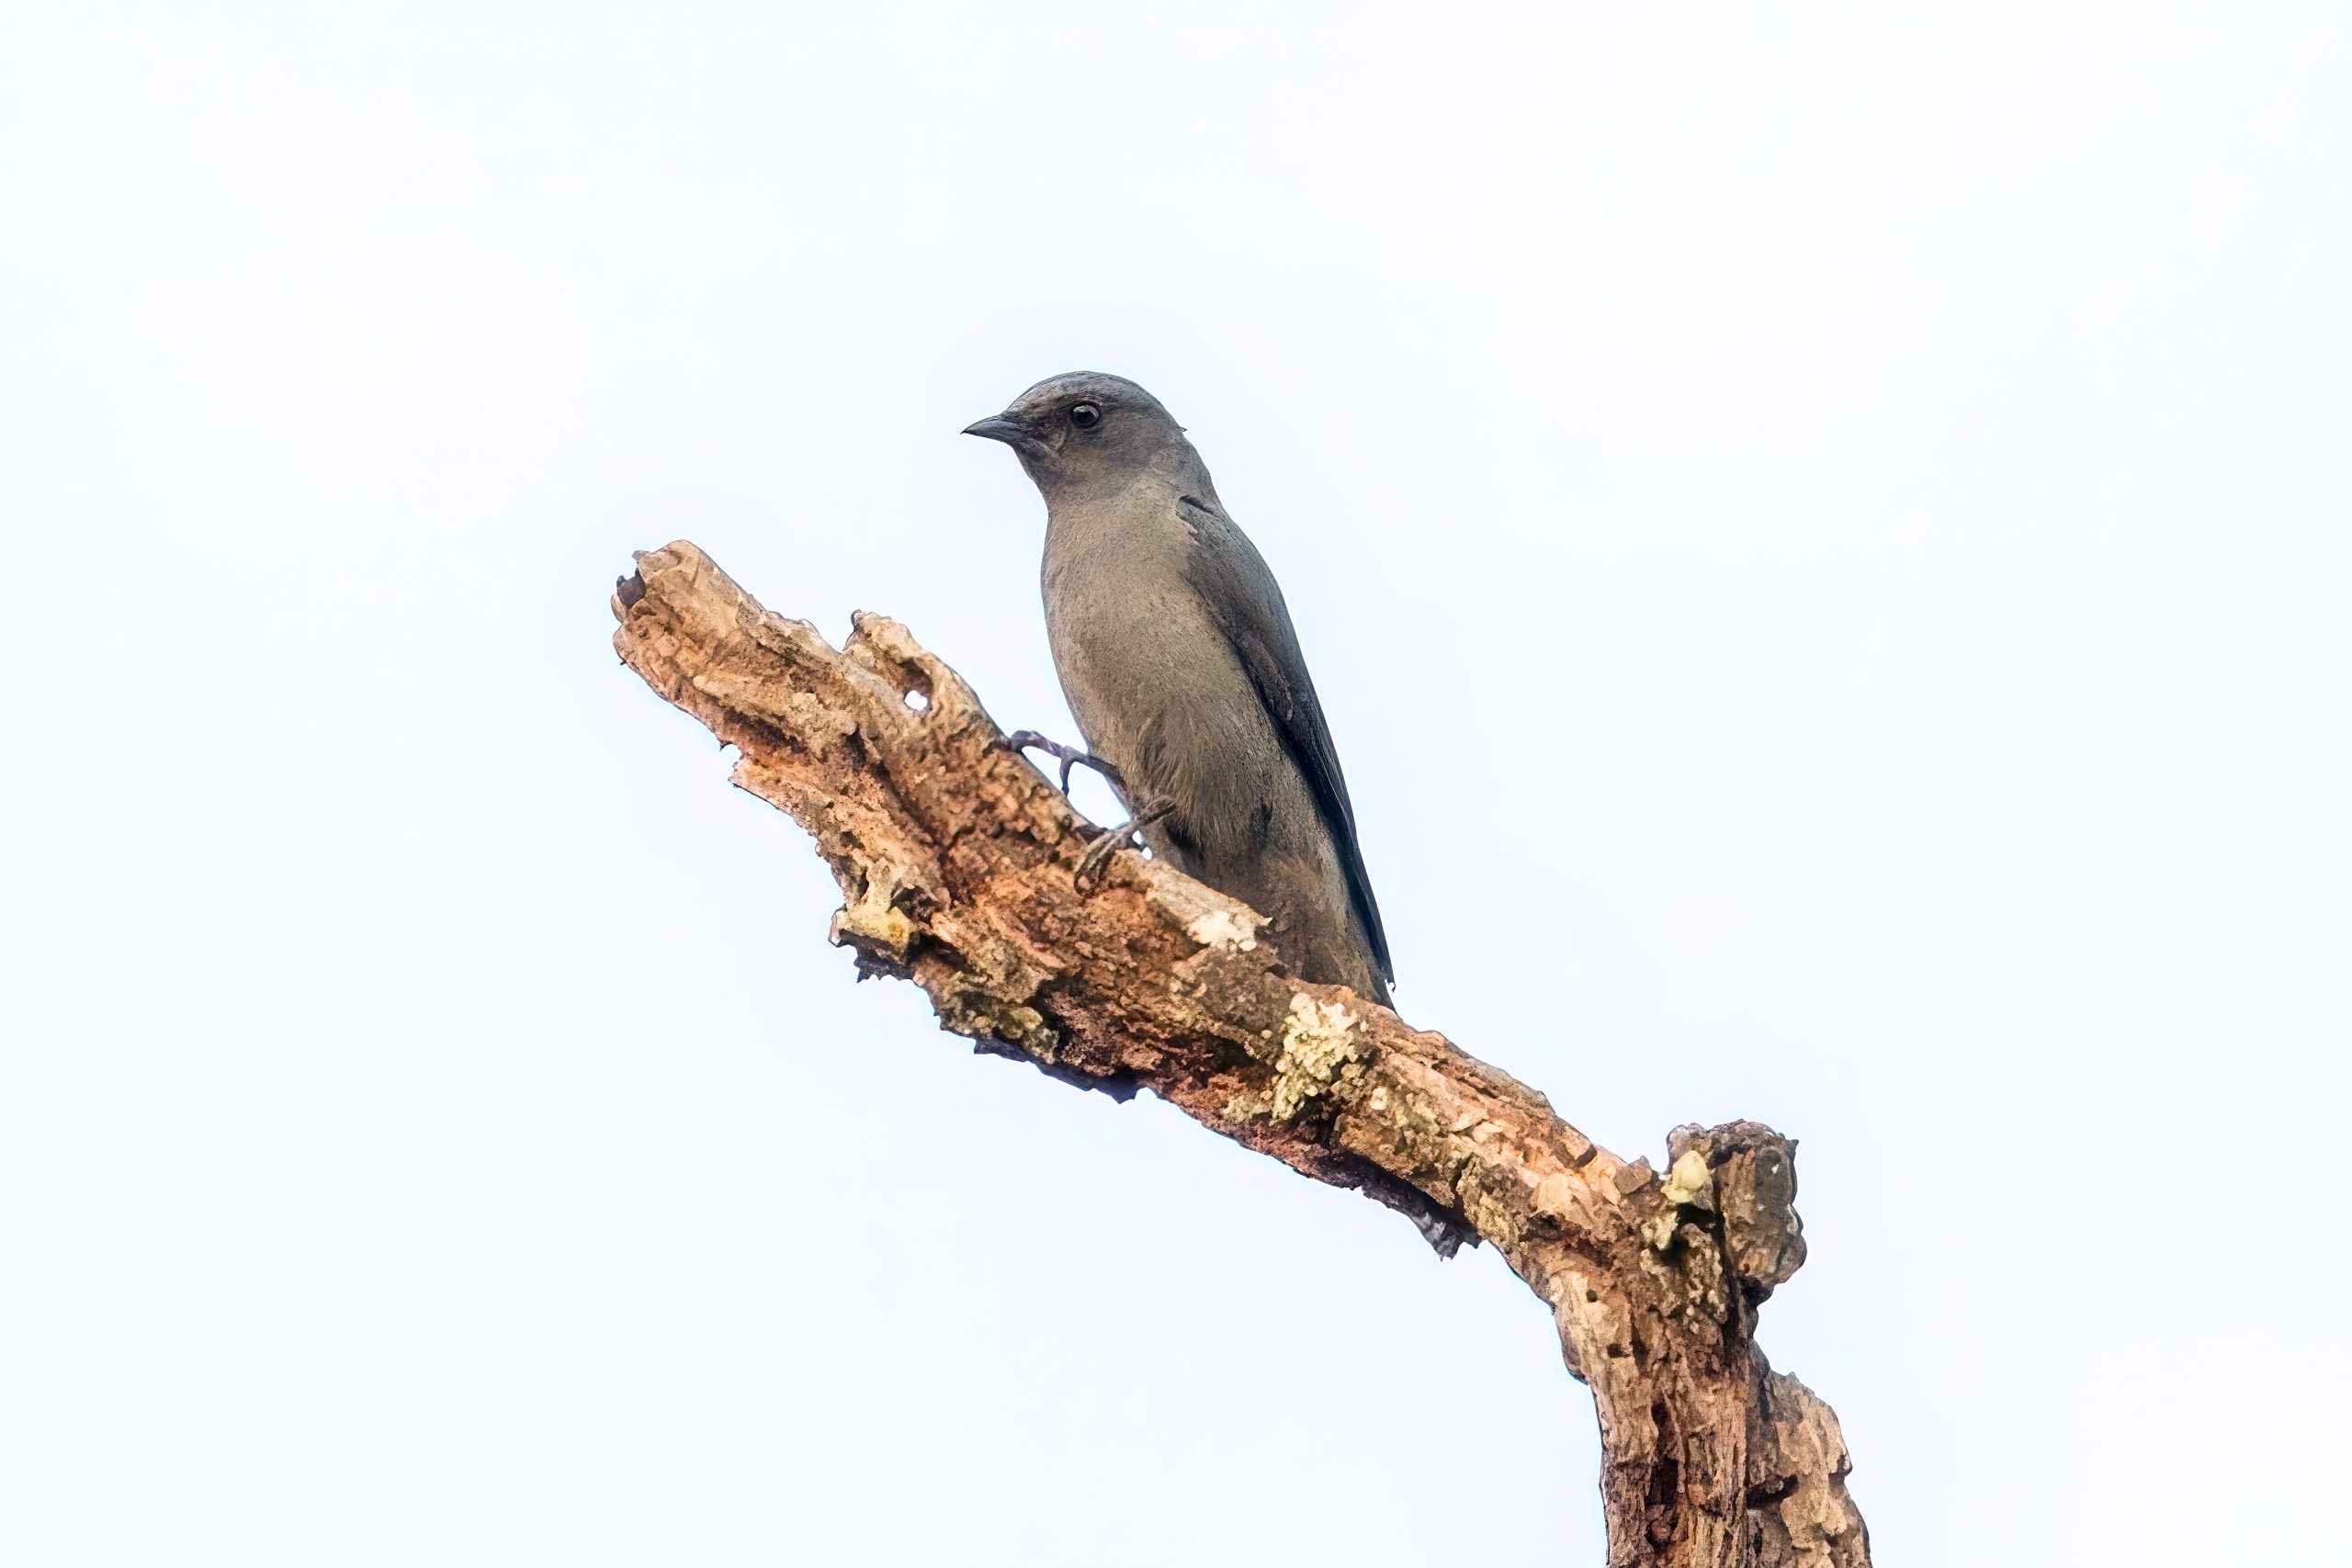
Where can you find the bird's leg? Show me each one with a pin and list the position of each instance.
(1096, 861)
(1071, 756)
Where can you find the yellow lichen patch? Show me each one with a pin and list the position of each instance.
(1496, 1212)
(1689, 1182)
(968, 1006)
(1320, 1048)
(1244, 1105)
(873, 921)
(1394, 1126)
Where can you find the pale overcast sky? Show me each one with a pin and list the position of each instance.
(1822, 532)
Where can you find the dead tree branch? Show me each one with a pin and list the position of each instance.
(955, 858)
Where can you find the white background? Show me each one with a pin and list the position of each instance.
(1823, 534)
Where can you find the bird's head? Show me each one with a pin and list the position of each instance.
(1082, 428)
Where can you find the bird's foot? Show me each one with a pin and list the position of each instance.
(1071, 756)
(1096, 862)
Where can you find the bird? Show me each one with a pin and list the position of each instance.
(1180, 662)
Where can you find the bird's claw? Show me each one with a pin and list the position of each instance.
(1095, 863)
(1070, 756)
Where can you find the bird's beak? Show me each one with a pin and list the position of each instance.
(1017, 434)
(996, 427)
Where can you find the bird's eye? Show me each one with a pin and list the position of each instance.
(1086, 416)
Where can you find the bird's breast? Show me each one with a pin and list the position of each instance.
(1151, 680)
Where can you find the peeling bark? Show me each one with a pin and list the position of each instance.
(955, 858)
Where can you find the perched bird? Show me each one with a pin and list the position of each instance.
(1177, 654)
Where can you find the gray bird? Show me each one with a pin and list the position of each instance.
(1177, 655)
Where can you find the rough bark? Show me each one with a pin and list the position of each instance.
(954, 859)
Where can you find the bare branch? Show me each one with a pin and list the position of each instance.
(954, 859)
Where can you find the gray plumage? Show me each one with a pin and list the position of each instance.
(1177, 655)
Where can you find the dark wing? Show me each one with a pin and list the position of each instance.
(1231, 577)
